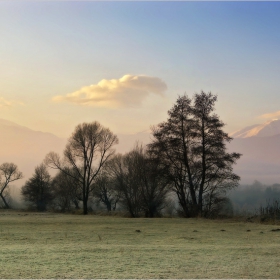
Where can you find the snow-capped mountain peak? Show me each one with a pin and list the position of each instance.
(269, 128)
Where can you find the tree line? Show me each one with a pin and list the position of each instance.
(248, 199)
(186, 157)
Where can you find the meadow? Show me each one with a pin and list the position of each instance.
(50, 245)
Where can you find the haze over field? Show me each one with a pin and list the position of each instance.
(28, 148)
(260, 160)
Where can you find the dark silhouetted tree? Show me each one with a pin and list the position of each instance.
(140, 181)
(191, 145)
(123, 169)
(8, 173)
(154, 185)
(38, 189)
(88, 149)
(67, 191)
(105, 190)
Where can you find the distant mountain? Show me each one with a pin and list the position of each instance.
(260, 149)
(26, 147)
(260, 146)
(260, 159)
(269, 128)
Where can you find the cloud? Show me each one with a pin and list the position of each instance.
(8, 103)
(128, 91)
(274, 115)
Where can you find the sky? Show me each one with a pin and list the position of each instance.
(125, 63)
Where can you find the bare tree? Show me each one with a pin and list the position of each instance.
(105, 190)
(140, 181)
(123, 168)
(191, 145)
(154, 185)
(8, 173)
(66, 191)
(38, 189)
(88, 149)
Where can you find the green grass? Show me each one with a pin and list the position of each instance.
(34, 245)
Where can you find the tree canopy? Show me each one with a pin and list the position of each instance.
(38, 189)
(191, 145)
(88, 149)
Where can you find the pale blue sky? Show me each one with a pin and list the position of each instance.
(56, 48)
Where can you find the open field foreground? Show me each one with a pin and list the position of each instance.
(35, 245)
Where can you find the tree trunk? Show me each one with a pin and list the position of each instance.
(5, 202)
(85, 208)
(200, 202)
(114, 205)
(109, 206)
(41, 205)
(150, 213)
(183, 201)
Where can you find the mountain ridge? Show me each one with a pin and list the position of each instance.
(269, 128)
(27, 148)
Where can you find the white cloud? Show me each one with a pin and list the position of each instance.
(128, 91)
(8, 103)
(273, 115)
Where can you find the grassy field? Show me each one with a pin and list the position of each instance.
(34, 245)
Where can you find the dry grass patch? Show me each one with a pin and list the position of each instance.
(35, 245)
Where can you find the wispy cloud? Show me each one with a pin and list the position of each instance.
(128, 91)
(273, 115)
(9, 103)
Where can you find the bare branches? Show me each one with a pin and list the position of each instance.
(88, 149)
(8, 173)
(139, 180)
(191, 144)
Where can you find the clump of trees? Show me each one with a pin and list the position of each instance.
(254, 198)
(187, 157)
(139, 181)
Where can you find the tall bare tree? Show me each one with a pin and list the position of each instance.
(88, 149)
(8, 173)
(191, 145)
